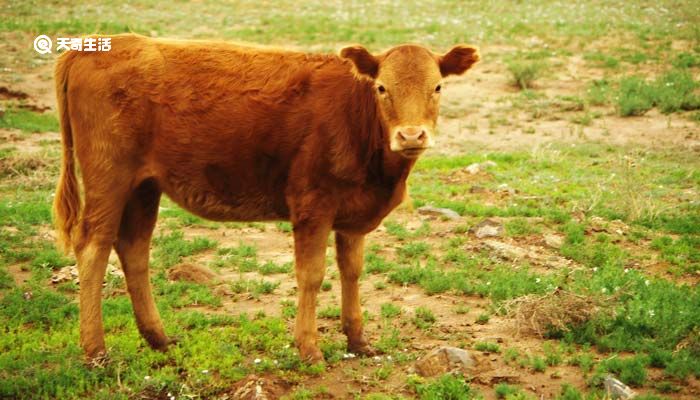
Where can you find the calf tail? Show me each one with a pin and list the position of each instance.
(67, 203)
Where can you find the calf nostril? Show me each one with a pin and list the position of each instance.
(423, 135)
(401, 135)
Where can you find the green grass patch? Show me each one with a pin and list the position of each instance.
(29, 121)
(524, 73)
(171, 248)
(672, 92)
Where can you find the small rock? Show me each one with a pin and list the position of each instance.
(444, 359)
(506, 250)
(191, 273)
(223, 290)
(65, 274)
(488, 228)
(114, 271)
(617, 389)
(475, 168)
(478, 189)
(504, 188)
(553, 241)
(438, 212)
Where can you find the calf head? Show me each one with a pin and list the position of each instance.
(408, 81)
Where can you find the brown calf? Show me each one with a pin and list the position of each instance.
(239, 133)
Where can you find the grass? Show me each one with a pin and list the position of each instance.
(487, 347)
(446, 387)
(28, 121)
(525, 73)
(424, 318)
(173, 247)
(671, 92)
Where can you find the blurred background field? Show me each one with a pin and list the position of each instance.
(588, 115)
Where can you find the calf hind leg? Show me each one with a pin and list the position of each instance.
(94, 237)
(132, 246)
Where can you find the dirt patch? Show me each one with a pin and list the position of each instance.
(10, 94)
(191, 273)
(20, 275)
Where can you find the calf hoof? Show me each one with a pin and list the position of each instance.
(159, 341)
(362, 348)
(312, 355)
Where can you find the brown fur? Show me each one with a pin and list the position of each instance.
(231, 132)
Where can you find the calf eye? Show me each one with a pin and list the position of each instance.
(381, 89)
(438, 88)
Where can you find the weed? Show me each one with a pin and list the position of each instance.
(389, 340)
(389, 310)
(673, 91)
(634, 97)
(6, 280)
(552, 355)
(569, 392)
(264, 287)
(686, 60)
(525, 73)
(585, 361)
(330, 312)
(411, 251)
(683, 252)
(326, 286)
(511, 354)
(598, 92)
(483, 318)
(631, 371)
(538, 364)
(375, 264)
(424, 318)
(289, 309)
(603, 60)
(506, 391)
(171, 248)
(487, 347)
(270, 268)
(462, 309)
(447, 387)
(520, 227)
(180, 293)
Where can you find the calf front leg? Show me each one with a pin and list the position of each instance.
(310, 256)
(350, 254)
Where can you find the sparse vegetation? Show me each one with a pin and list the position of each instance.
(525, 73)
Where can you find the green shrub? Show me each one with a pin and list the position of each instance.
(447, 387)
(525, 73)
(634, 97)
(631, 371)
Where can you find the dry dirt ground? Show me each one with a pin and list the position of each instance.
(479, 98)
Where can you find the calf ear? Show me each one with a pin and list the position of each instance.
(365, 64)
(458, 60)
